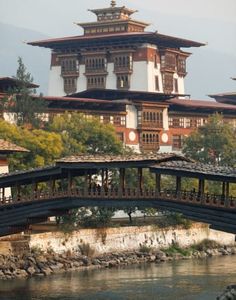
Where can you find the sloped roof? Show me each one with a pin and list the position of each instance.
(8, 147)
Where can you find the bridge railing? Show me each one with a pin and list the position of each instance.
(126, 194)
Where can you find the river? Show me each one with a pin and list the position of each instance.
(185, 279)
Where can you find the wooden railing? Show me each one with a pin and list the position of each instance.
(188, 197)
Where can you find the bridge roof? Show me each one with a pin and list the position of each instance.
(196, 170)
(80, 164)
(117, 161)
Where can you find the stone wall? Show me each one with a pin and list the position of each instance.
(127, 238)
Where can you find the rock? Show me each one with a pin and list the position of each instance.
(112, 263)
(31, 271)
(21, 273)
(46, 271)
(57, 267)
(32, 260)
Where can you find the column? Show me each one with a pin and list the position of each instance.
(201, 188)
(158, 184)
(140, 180)
(122, 180)
(178, 185)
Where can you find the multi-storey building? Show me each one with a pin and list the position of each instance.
(130, 78)
(115, 52)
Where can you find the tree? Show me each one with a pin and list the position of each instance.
(214, 143)
(82, 135)
(26, 107)
(44, 146)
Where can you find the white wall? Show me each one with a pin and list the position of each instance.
(56, 84)
(4, 170)
(139, 77)
(111, 78)
(105, 240)
(131, 117)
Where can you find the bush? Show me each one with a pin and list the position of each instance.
(85, 249)
(175, 248)
(206, 244)
(145, 249)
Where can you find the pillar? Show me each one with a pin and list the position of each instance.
(70, 181)
(140, 179)
(178, 184)
(122, 179)
(158, 183)
(201, 189)
(223, 190)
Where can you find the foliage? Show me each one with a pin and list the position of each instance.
(82, 135)
(214, 143)
(206, 244)
(88, 217)
(25, 107)
(44, 146)
(176, 249)
(145, 249)
(174, 219)
(86, 249)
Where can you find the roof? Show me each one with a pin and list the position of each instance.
(196, 170)
(94, 161)
(109, 94)
(229, 98)
(13, 82)
(80, 164)
(124, 38)
(8, 147)
(200, 104)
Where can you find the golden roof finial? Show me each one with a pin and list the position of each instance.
(113, 3)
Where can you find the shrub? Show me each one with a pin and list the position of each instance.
(145, 249)
(86, 249)
(206, 244)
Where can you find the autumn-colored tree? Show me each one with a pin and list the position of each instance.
(214, 143)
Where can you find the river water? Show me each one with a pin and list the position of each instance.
(186, 279)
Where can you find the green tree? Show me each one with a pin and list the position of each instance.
(44, 146)
(213, 143)
(26, 107)
(82, 135)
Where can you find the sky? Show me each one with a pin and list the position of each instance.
(209, 21)
(56, 17)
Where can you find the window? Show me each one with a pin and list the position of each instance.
(96, 82)
(69, 66)
(123, 82)
(176, 122)
(182, 65)
(70, 85)
(119, 121)
(149, 141)
(155, 61)
(123, 62)
(167, 82)
(168, 61)
(97, 64)
(177, 142)
(157, 87)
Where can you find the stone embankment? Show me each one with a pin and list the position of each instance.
(229, 293)
(44, 264)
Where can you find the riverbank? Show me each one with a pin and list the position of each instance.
(43, 264)
(56, 252)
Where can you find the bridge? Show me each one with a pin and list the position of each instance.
(118, 181)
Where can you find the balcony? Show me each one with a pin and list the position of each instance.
(128, 69)
(69, 73)
(150, 125)
(96, 71)
(150, 146)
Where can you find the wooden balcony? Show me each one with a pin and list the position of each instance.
(150, 146)
(96, 71)
(150, 125)
(123, 69)
(70, 73)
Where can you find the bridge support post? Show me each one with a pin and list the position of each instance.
(140, 180)
(70, 181)
(201, 188)
(158, 184)
(122, 180)
(178, 185)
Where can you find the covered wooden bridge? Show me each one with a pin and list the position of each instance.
(116, 181)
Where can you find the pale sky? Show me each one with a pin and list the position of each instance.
(56, 17)
(208, 21)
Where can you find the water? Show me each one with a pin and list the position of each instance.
(185, 280)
